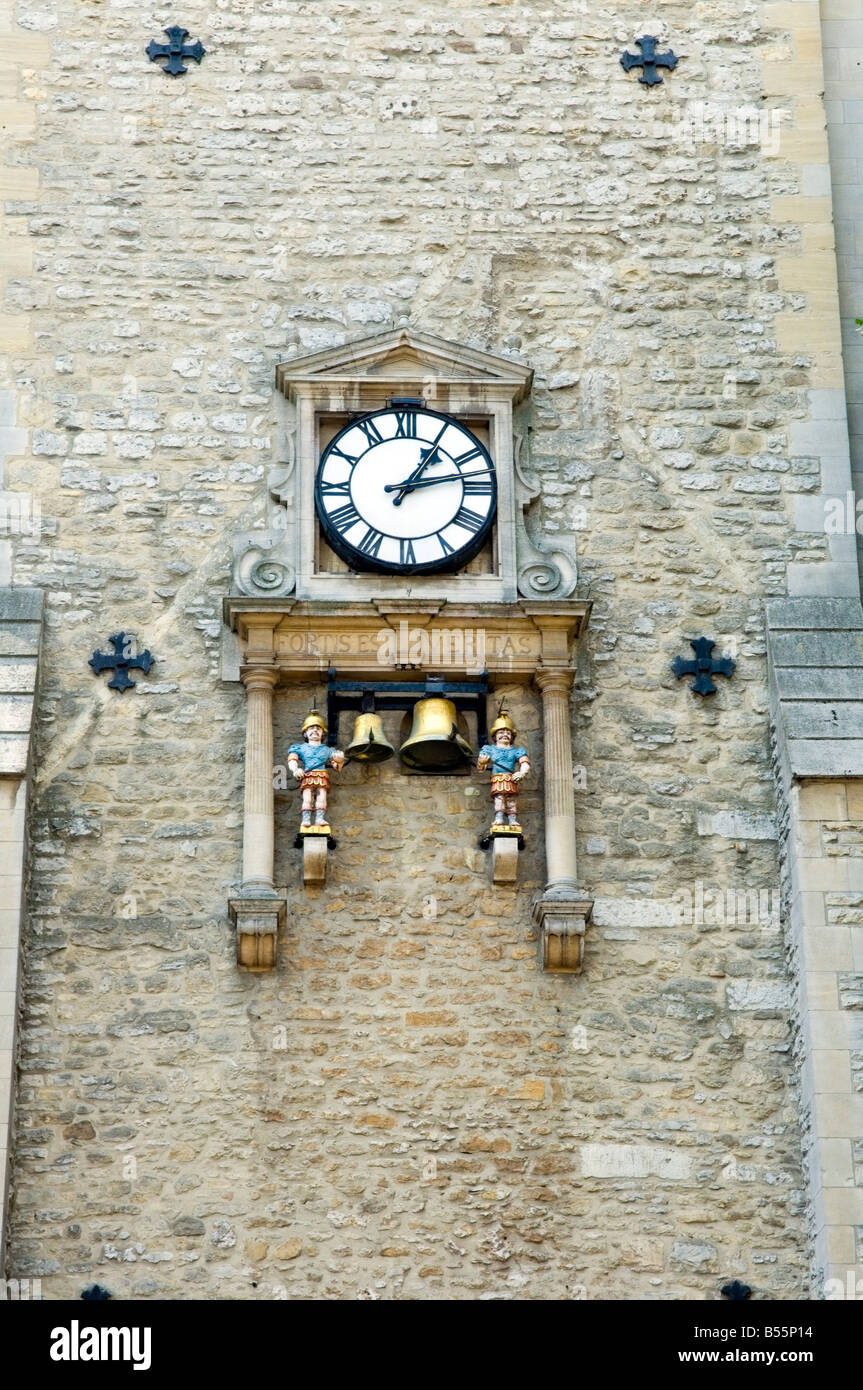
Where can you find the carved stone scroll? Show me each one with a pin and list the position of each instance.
(544, 571)
(263, 564)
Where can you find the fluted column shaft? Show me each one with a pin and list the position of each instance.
(561, 868)
(258, 830)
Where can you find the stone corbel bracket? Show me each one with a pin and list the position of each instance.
(315, 858)
(562, 925)
(504, 862)
(257, 922)
(543, 570)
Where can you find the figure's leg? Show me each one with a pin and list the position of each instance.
(499, 808)
(307, 806)
(512, 810)
(321, 806)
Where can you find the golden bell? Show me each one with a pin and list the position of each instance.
(434, 743)
(369, 743)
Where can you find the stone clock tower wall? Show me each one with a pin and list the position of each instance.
(408, 1107)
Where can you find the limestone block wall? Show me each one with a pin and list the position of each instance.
(408, 1108)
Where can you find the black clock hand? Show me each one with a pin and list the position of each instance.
(405, 487)
(445, 478)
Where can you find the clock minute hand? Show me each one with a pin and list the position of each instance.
(445, 478)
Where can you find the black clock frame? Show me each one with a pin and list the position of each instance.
(361, 563)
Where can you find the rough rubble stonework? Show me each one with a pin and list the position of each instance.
(407, 1108)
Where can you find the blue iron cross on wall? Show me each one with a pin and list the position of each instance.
(175, 50)
(703, 667)
(120, 663)
(650, 61)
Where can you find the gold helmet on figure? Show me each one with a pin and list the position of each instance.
(503, 721)
(314, 720)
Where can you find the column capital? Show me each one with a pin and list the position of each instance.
(259, 677)
(555, 679)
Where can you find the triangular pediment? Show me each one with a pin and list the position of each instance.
(403, 355)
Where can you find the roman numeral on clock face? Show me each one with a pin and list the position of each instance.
(344, 517)
(467, 457)
(477, 487)
(340, 453)
(371, 542)
(406, 553)
(371, 431)
(335, 489)
(406, 424)
(469, 520)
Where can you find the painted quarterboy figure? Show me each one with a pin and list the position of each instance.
(309, 761)
(509, 766)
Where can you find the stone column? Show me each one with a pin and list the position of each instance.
(258, 912)
(258, 834)
(561, 872)
(563, 910)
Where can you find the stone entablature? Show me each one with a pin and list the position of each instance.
(302, 640)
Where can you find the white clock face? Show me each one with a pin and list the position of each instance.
(407, 491)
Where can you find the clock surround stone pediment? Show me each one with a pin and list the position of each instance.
(403, 355)
(282, 557)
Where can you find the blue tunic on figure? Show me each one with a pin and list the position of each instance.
(313, 756)
(503, 760)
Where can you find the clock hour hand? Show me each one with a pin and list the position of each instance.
(444, 478)
(407, 486)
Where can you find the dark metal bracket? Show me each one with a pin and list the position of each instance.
(486, 841)
(299, 839)
(365, 696)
